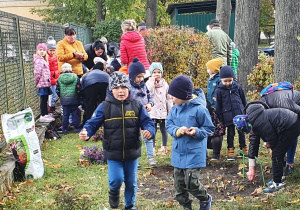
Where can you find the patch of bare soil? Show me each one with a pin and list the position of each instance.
(223, 180)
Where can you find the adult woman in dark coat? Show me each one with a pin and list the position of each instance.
(93, 50)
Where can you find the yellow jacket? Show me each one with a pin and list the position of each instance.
(64, 53)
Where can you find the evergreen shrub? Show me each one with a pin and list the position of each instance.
(111, 29)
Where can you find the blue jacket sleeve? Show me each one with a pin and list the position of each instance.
(206, 127)
(93, 124)
(218, 104)
(170, 125)
(146, 122)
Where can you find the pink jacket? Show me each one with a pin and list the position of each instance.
(162, 100)
(133, 45)
(42, 77)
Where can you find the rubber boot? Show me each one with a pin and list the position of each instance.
(114, 198)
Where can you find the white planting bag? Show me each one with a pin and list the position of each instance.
(19, 132)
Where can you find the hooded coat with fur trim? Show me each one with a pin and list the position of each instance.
(133, 45)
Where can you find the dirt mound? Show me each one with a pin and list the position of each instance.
(223, 180)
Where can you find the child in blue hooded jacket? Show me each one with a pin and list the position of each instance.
(189, 123)
(122, 118)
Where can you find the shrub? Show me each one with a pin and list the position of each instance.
(261, 77)
(181, 50)
(111, 29)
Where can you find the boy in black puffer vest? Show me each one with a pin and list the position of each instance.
(122, 117)
(68, 87)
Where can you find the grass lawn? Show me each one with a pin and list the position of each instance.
(67, 184)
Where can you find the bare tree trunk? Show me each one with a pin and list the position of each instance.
(223, 14)
(246, 36)
(287, 47)
(151, 13)
(100, 11)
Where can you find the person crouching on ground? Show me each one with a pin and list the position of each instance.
(278, 127)
(189, 123)
(122, 117)
(68, 88)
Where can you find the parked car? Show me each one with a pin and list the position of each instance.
(269, 51)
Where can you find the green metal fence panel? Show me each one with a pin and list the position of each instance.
(200, 21)
(19, 37)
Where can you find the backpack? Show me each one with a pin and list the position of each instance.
(51, 133)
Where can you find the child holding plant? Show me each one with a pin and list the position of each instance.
(122, 117)
(163, 103)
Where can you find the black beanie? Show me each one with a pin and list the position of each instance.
(99, 66)
(115, 63)
(135, 68)
(226, 72)
(181, 87)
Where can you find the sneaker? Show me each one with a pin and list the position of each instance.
(49, 117)
(44, 119)
(273, 188)
(205, 205)
(288, 170)
(215, 157)
(283, 181)
(152, 162)
(230, 154)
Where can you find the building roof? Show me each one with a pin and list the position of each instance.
(197, 6)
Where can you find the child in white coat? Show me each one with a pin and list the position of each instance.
(163, 103)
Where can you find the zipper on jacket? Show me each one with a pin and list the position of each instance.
(123, 119)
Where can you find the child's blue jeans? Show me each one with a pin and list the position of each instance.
(123, 171)
(149, 147)
(53, 97)
(67, 110)
(290, 155)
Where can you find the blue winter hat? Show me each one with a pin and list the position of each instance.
(155, 65)
(181, 87)
(242, 123)
(135, 68)
(226, 72)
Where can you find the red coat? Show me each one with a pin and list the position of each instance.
(133, 45)
(53, 65)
